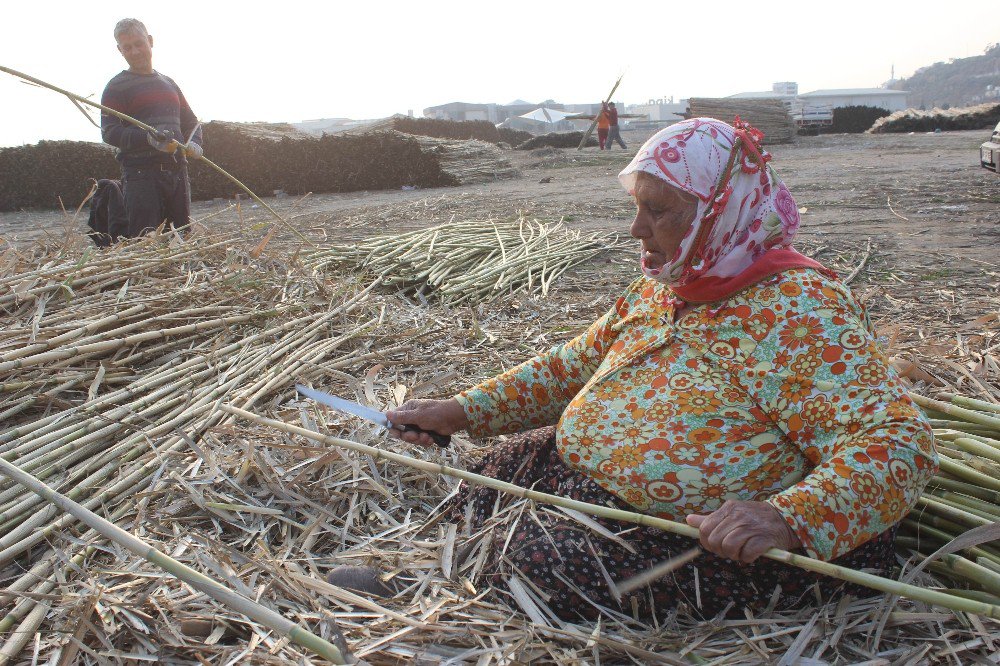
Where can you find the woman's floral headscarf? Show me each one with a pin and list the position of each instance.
(744, 210)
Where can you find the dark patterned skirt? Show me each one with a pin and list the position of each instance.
(570, 564)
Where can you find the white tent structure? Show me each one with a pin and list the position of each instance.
(544, 115)
(541, 121)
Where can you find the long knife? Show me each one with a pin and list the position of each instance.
(367, 413)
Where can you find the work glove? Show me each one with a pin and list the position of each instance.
(193, 151)
(163, 140)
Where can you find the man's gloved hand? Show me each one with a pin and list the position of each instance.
(163, 140)
(193, 151)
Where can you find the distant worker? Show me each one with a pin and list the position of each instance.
(154, 165)
(613, 133)
(603, 123)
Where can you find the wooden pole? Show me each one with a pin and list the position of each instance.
(590, 130)
(138, 123)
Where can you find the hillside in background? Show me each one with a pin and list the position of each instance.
(960, 82)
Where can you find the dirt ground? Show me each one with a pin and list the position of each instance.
(853, 187)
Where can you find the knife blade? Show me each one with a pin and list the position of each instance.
(367, 413)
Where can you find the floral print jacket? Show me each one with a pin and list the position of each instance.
(779, 394)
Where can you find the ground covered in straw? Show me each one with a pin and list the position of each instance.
(113, 366)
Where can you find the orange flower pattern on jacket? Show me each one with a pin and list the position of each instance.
(778, 394)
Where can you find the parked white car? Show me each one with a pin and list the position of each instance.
(989, 152)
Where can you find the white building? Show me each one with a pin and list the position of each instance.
(785, 88)
(828, 100)
(786, 91)
(890, 100)
(660, 110)
(816, 107)
(466, 111)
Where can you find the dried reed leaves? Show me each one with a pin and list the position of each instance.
(270, 515)
(471, 260)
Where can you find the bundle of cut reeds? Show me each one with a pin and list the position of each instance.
(481, 130)
(770, 116)
(39, 175)
(330, 163)
(266, 157)
(981, 116)
(111, 363)
(964, 495)
(469, 161)
(470, 260)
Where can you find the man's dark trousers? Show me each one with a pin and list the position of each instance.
(615, 135)
(156, 192)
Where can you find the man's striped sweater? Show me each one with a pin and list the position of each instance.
(155, 100)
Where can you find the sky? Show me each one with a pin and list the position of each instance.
(291, 61)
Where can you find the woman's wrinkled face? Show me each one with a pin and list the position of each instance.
(662, 218)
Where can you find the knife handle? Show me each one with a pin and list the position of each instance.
(439, 439)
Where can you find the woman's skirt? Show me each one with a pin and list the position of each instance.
(571, 565)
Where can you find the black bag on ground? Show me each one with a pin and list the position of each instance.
(108, 221)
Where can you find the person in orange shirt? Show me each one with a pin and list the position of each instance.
(614, 134)
(603, 124)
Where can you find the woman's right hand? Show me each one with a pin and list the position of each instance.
(442, 416)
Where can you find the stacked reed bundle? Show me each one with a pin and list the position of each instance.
(478, 130)
(513, 137)
(38, 176)
(447, 129)
(982, 116)
(964, 495)
(114, 366)
(469, 261)
(265, 157)
(468, 162)
(770, 116)
(111, 363)
(854, 119)
(455, 130)
(331, 163)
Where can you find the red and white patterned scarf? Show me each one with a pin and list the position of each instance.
(746, 217)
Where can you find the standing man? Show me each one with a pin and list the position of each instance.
(154, 165)
(613, 133)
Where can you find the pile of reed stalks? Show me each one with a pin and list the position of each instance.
(331, 163)
(964, 495)
(113, 367)
(440, 128)
(981, 116)
(513, 137)
(770, 116)
(468, 162)
(557, 140)
(854, 119)
(266, 157)
(470, 260)
(112, 363)
(40, 175)
(478, 130)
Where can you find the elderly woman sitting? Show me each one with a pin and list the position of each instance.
(737, 385)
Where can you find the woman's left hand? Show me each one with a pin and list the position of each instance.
(743, 531)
